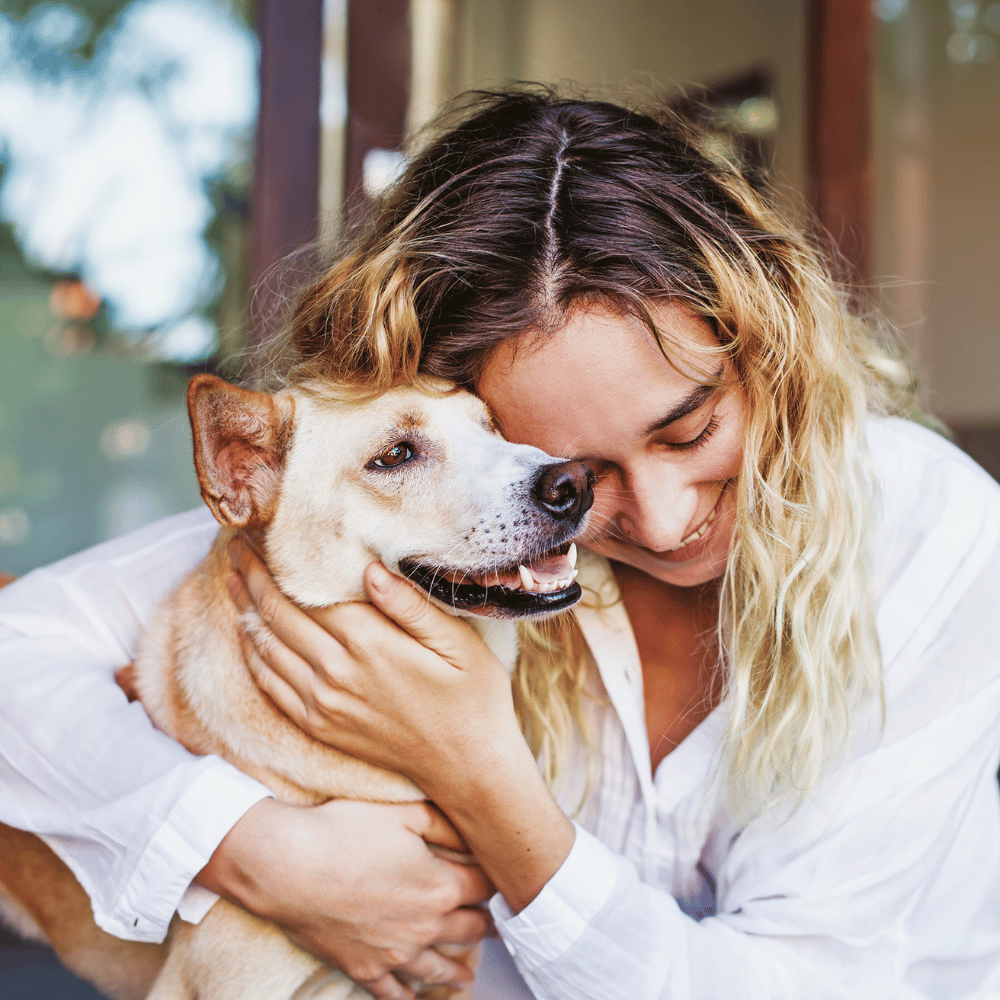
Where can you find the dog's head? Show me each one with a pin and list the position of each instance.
(419, 480)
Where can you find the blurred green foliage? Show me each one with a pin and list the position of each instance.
(94, 436)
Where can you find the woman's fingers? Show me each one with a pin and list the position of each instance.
(473, 886)
(431, 967)
(466, 926)
(273, 684)
(388, 987)
(288, 622)
(430, 824)
(412, 610)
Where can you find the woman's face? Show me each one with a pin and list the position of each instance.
(664, 446)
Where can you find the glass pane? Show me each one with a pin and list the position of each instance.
(125, 143)
(938, 210)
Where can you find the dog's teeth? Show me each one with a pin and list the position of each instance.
(571, 555)
(527, 580)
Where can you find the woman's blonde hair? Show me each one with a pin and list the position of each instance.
(533, 205)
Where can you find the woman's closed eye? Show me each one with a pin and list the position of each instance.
(699, 439)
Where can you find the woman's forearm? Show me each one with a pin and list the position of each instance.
(122, 804)
(416, 691)
(356, 884)
(509, 820)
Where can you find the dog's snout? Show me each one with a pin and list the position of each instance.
(565, 490)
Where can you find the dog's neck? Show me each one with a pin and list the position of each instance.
(501, 637)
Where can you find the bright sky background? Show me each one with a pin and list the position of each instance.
(107, 161)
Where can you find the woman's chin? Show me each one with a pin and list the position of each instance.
(667, 567)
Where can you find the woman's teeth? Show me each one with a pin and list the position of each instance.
(695, 535)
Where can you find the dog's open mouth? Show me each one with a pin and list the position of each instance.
(543, 585)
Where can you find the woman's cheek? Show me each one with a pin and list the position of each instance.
(601, 518)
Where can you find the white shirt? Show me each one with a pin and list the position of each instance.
(131, 812)
(885, 883)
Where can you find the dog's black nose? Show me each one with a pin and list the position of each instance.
(565, 490)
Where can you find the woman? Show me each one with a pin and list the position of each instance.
(774, 719)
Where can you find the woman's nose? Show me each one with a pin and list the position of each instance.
(653, 518)
(650, 533)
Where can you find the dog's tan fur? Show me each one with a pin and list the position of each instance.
(295, 471)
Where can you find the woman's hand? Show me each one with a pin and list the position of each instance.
(398, 683)
(403, 685)
(355, 884)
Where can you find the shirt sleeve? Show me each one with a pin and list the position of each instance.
(891, 871)
(883, 883)
(130, 811)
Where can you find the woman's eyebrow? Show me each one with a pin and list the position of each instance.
(698, 396)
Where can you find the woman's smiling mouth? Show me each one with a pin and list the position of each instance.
(697, 533)
(698, 541)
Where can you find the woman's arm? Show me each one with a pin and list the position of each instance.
(356, 884)
(444, 717)
(884, 880)
(136, 817)
(130, 811)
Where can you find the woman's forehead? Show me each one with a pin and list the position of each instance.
(601, 342)
(600, 367)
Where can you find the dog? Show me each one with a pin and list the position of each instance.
(323, 485)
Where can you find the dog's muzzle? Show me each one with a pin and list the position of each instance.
(561, 494)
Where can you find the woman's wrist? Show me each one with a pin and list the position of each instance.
(234, 871)
(511, 823)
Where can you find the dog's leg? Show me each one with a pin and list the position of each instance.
(329, 984)
(233, 955)
(37, 879)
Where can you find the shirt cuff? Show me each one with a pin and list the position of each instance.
(162, 881)
(552, 922)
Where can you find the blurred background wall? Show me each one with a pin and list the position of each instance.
(160, 157)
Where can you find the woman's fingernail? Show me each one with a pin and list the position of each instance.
(381, 579)
(235, 550)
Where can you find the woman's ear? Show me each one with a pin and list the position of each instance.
(240, 442)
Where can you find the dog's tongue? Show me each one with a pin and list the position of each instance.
(547, 574)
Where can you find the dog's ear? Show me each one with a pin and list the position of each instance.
(240, 442)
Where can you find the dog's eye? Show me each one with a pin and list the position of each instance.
(400, 452)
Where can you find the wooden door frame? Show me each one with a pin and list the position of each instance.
(284, 210)
(378, 90)
(284, 205)
(840, 52)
